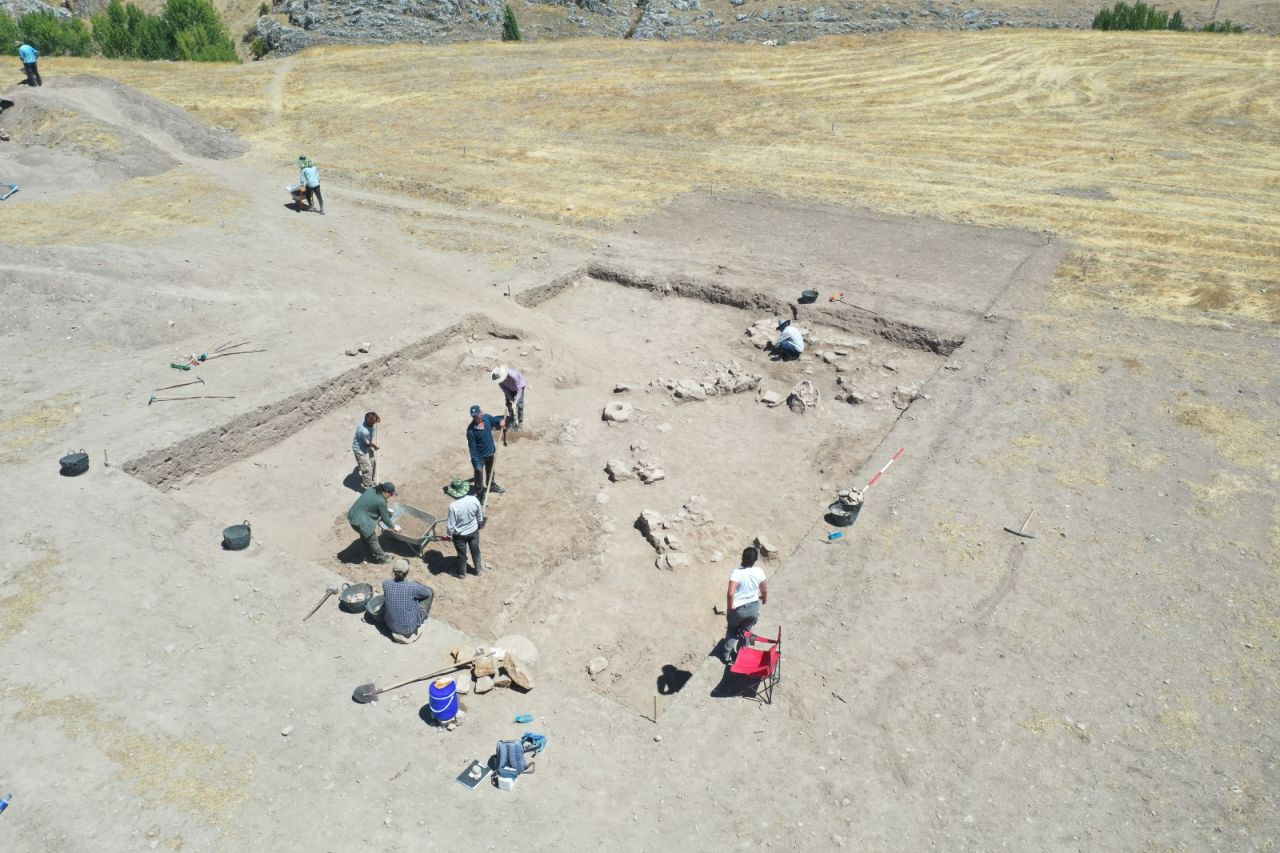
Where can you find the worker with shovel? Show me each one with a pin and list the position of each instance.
(406, 604)
(365, 514)
(513, 385)
(364, 447)
(481, 446)
(466, 517)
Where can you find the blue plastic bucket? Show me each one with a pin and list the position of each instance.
(443, 699)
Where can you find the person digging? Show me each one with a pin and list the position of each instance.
(482, 447)
(466, 518)
(406, 605)
(790, 341)
(364, 515)
(513, 385)
(365, 449)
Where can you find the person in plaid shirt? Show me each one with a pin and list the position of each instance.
(406, 604)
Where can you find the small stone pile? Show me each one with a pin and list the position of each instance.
(646, 470)
(727, 378)
(495, 667)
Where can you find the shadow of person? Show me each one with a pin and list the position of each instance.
(672, 680)
(352, 481)
(354, 553)
(439, 563)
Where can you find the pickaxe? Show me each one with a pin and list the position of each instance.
(199, 380)
(155, 399)
(1021, 531)
(328, 592)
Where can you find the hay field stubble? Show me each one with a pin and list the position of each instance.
(1153, 153)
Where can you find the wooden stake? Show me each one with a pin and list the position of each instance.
(655, 707)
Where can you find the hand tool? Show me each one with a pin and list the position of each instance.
(155, 399)
(1021, 531)
(199, 380)
(204, 357)
(333, 590)
(367, 693)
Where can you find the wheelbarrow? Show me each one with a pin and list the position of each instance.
(414, 520)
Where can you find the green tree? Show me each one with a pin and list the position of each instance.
(8, 34)
(510, 26)
(53, 36)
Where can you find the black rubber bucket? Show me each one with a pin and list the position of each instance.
(808, 297)
(355, 597)
(74, 463)
(840, 514)
(236, 537)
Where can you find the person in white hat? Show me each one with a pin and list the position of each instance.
(513, 385)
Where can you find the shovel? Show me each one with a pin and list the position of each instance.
(367, 693)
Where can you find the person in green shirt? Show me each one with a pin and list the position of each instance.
(364, 515)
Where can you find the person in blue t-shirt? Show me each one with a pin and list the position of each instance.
(482, 447)
(29, 56)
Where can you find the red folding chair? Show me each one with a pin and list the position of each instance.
(763, 665)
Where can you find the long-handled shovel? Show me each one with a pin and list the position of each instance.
(367, 693)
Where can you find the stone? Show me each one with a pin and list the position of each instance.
(618, 470)
(518, 671)
(904, 394)
(651, 524)
(639, 446)
(484, 684)
(464, 685)
(803, 397)
(4, 135)
(621, 389)
(771, 398)
(890, 366)
(519, 646)
(364, 346)
(828, 357)
(671, 541)
(502, 681)
(765, 544)
(673, 562)
(485, 666)
(351, 352)
(286, 731)
(597, 665)
(652, 475)
(617, 412)
(854, 398)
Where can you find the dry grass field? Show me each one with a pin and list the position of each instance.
(1152, 154)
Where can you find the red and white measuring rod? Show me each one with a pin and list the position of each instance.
(885, 468)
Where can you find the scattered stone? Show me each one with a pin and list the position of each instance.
(828, 357)
(484, 684)
(597, 665)
(286, 731)
(664, 427)
(673, 562)
(639, 446)
(617, 412)
(364, 347)
(716, 556)
(890, 366)
(602, 497)
(351, 352)
(765, 544)
(485, 666)
(648, 472)
(771, 398)
(518, 671)
(904, 394)
(621, 389)
(671, 541)
(657, 738)
(464, 685)
(4, 135)
(618, 470)
(651, 524)
(502, 681)
(728, 378)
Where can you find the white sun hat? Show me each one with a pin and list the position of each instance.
(500, 373)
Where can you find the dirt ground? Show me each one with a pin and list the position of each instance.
(1109, 684)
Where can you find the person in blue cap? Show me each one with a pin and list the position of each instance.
(482, 448)
(29, 56)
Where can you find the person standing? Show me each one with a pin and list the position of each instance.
(466, 517)
(365, 448)
(29, 56)
(365, 514)
(310, 181)
(513, 384)
(747, 591)
(482, 447)
(406, 605)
